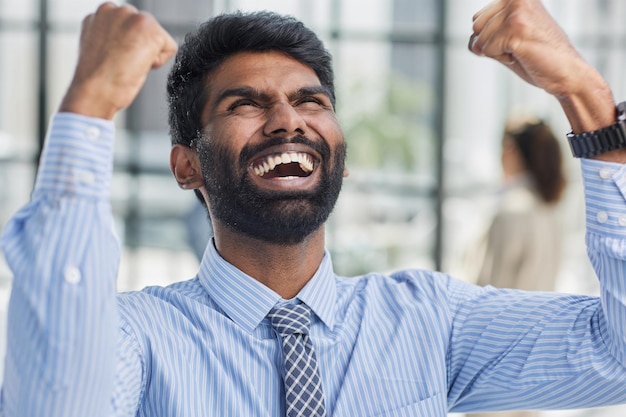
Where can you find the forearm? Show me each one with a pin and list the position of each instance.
(592, 108)
(62, 325)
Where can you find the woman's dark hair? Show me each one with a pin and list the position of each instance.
(219, 38)
(541, 155)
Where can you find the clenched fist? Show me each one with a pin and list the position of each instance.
(118, 47)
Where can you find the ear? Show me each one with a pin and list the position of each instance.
(185, 166)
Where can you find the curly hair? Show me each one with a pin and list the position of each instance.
(219, 38)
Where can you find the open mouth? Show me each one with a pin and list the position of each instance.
(284, 165)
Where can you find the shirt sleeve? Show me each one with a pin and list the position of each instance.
(519, 350)
(605, 195)
(61, 248)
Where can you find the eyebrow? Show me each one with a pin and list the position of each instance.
(248, 92)
(256, 94)
(309, 91)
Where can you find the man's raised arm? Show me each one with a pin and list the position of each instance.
(522, 35)
(62, 325)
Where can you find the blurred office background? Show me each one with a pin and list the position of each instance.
(422, 115)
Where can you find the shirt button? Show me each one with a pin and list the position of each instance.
(602, 217)
(622, 220)
(86, 177)
(605, 173)
(72, 275)
(92, 133)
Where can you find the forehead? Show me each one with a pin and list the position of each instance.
(261, 70)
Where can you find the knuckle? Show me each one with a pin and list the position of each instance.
(128, 8)
(141, 20)
(105, 6)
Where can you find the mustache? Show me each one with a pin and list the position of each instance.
(248, 151)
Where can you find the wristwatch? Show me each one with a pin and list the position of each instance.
(602, 140)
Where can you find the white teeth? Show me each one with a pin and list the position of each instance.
(271, 162)
(305, 163)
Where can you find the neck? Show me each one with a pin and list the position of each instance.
(283, 268)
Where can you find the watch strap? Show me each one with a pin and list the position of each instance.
(603, 140)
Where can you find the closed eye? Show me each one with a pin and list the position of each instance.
(312, 102)
(242, 102)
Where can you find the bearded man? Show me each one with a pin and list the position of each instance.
(266, 328)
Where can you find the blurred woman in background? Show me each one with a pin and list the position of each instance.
(523, 243)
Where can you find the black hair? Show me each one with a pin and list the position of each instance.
(219, 38)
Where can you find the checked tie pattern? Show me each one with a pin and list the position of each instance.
(303, 387)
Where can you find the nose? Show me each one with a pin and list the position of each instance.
(283, 118)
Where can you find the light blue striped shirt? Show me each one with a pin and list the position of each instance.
(413, 343)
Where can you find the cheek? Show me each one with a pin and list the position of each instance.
(328, 127)
(234, 133)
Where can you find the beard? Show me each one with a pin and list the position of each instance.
(278, 217)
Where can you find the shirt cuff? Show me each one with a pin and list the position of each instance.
(605, 197)
(77, 158)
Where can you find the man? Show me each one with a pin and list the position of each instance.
(260, 143)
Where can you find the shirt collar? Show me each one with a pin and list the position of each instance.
(246, 301)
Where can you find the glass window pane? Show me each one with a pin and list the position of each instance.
(385, 217)
(178, 12)
(387, 113)
(73, 10)
(18, 90)
(62, 57)
(381, 222)
(18, 10)
(315, 14)
(18, 131)
(421, 15)
(375, 18)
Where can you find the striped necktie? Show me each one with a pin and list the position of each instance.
(303, 387)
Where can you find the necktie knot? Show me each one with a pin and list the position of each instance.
(290, 319)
